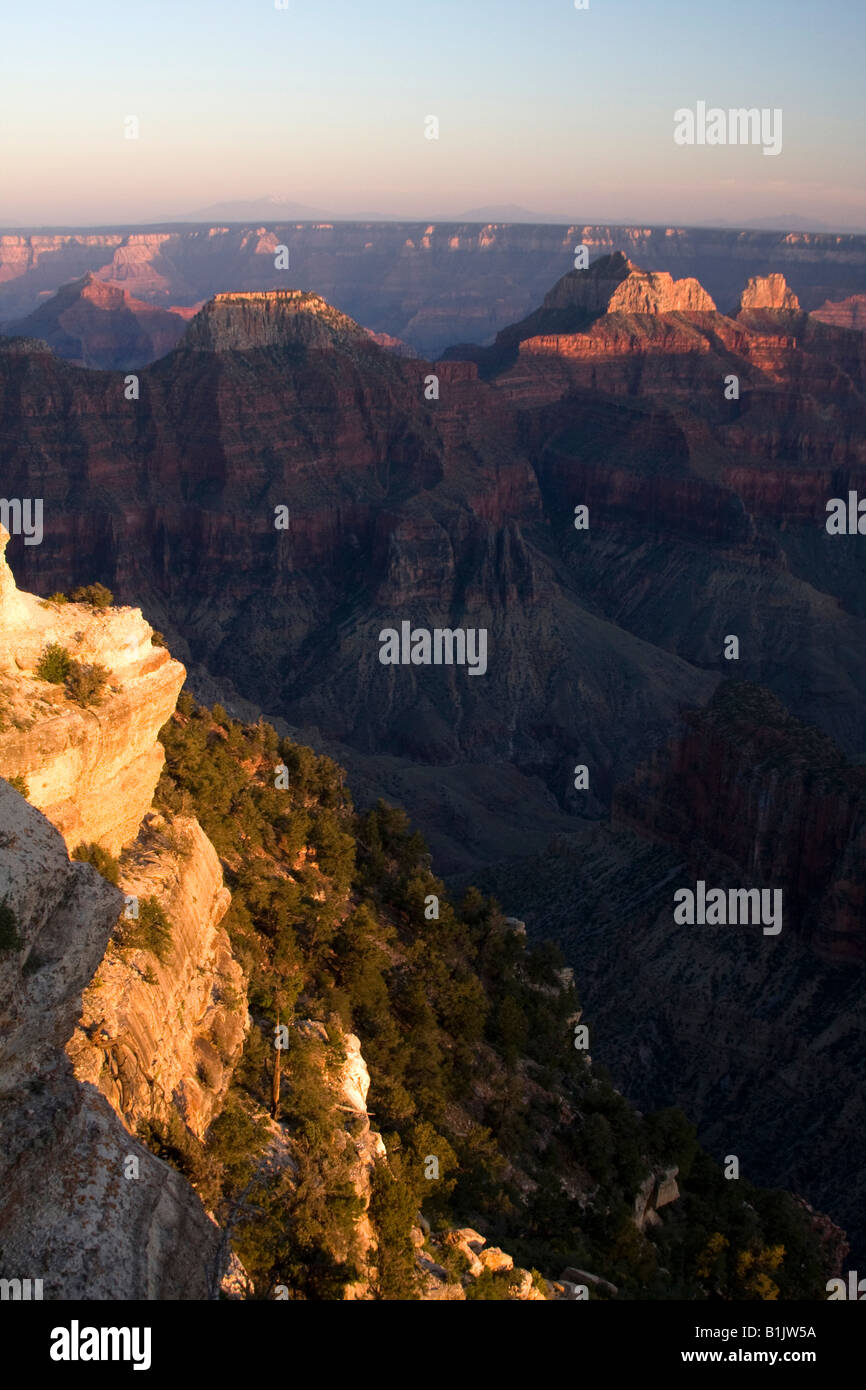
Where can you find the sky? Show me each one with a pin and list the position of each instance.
(565, 112)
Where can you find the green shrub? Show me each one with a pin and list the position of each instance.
(489, 1285)
(102, 861)
(150, 931)
(439, 1007)
(55, 664)
(85, 683)
(19, 783)
(57, 598)
(95, 594)
(10, 939)
(393, 1205)
(157, 639)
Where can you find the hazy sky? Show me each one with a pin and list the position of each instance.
(562, 111)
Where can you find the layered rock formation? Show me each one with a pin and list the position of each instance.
(83, 1205)
(845, 313)
(160, 1036)
(94, 324)
(776, 800)
(614, 285)
(760, 1038)
(429, 284)
(92, 769)
(104, 1218)
(455, 499)
(279, 318)
(768, 292)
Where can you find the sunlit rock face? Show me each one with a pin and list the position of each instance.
(83, 1205)
(92, 770)
(160, 1036)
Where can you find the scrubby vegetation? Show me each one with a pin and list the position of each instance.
(149, 931)
(95, 594)
(54, 664)
(102, 861)
(468, 1032)
(83, 682)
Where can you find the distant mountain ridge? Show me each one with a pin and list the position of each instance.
(704, 517)
(95, 324)
(428, 284)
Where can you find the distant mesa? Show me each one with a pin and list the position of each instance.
(429, 283)
(613, 306)
(247, 320)
(614, 284)
(768, 292)
(845, 313)
(247, 210)
(94, 324)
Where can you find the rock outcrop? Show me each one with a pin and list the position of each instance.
(94, 324)
(92, 770)
(449, 1263)
(657, 1190)
(157, 1036)
(243, 322)
(844, 313)
(353, 1083)
(162, 1024)
(614, 285)
(774, 799)
(346, 1081)
(768, 292)
(83, 1205)
(429, 284)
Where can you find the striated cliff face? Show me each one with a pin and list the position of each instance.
(429, 284)
(243, 322)
(615, 285)
(760, 1039)
(611, 294)
(768, 292)
(457, 508)
(776, 800)
(162, 1023)
(83, 1205)
(157, 1036)
(845, 313)
(94, 324)
(91, 770)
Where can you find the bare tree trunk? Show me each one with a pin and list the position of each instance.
(275, 1105)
